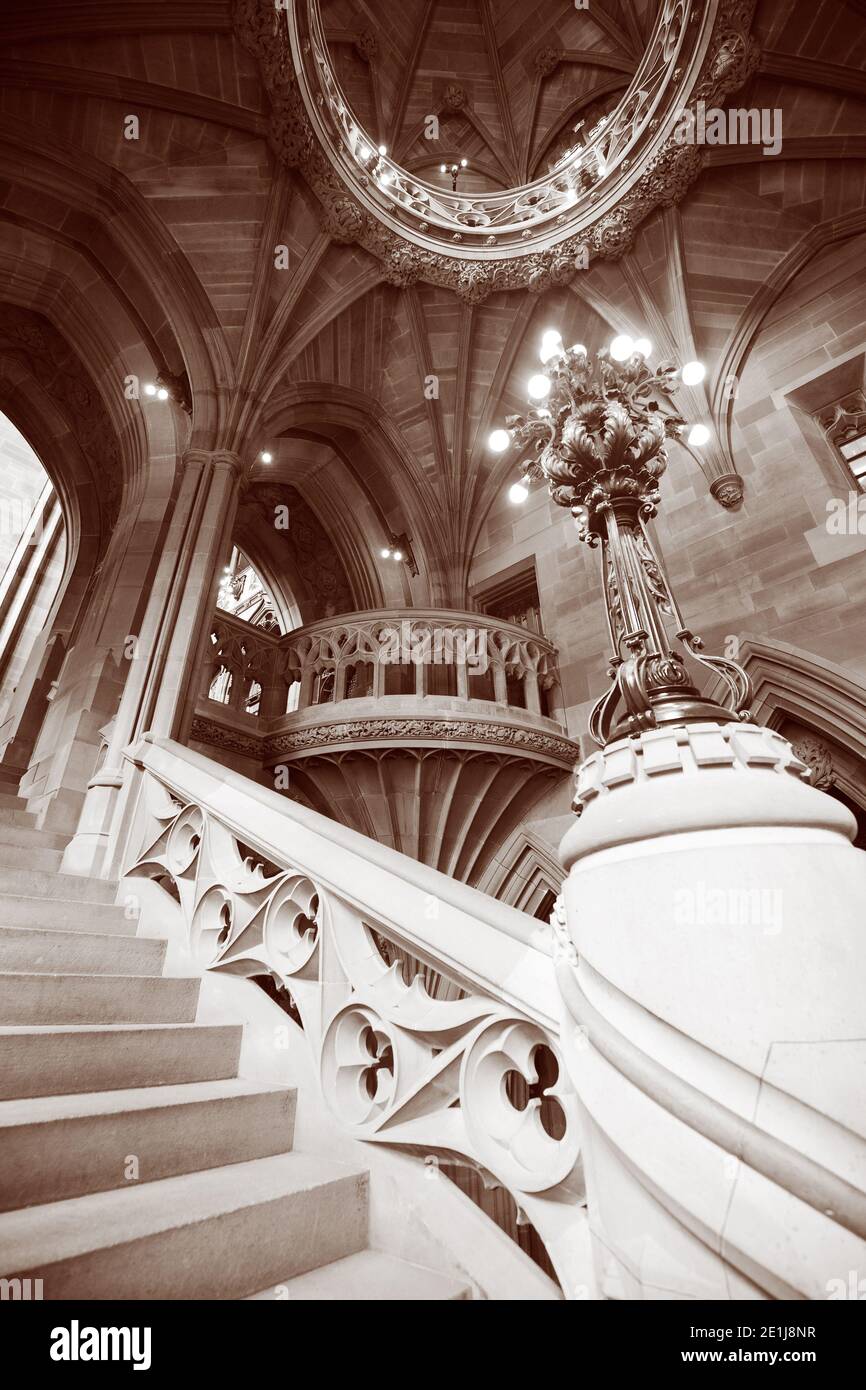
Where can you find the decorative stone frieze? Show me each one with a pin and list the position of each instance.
(391, 729)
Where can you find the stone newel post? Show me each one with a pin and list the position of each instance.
(714, 1018)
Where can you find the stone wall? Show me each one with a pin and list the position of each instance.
(770, 569)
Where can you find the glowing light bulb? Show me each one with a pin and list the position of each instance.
(551, 335)
(692, 373)
(622, 347)
(383, 149)
(150, 389)
(162, 394)
(499, 441)
(386, 177)
(538, 387)
(643, 346)
(364, 152)
(463, 163)
(549, 350)
(266, 457)
(698, 435)
(517, 493)
(385, 553)
(579, 349)
(398, 555)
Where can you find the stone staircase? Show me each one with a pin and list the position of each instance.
(136, 1164)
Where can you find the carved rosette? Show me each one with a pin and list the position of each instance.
(728, 491)
(547, 60)
(454, 97)
(367, 46)
(660, 175)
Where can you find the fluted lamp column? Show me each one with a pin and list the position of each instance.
(710, 933)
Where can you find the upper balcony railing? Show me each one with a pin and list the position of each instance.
(411, 654)
(581, 180)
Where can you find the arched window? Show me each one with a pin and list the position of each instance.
(32, 563)
(244, 594)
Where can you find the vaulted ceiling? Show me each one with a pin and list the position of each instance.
(192, 245)
(506, 81)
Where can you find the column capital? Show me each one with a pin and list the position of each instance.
(214, 459)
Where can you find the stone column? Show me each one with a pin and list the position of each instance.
(161, 689)
(714, 1017)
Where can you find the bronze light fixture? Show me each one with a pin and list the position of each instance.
(597, 435)
(454, 170)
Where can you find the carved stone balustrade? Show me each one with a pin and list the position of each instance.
(435, 1032)
(430, 730)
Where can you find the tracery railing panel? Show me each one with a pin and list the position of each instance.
(451, 1051)
(386, 652)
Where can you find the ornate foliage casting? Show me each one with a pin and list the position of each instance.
(600, 443)
(532, 237)
(419, 1053)
(818, 758)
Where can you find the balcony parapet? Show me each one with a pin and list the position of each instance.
(429, 730)
(404, 663)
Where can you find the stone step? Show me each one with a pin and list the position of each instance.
(56, 1061)
(10, 800)
(218, 1234)
(28, 881)
(64, 914)
(368, 1276)
(55, 1147)
(45, 998)
(36, 949)
(28, 837)
(16, 816)
(31, 852)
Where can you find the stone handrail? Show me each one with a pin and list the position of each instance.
(431, 1010)
(349, 656)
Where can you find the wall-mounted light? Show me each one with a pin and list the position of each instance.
(399, 549)
(266, 456)
(168, 387)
